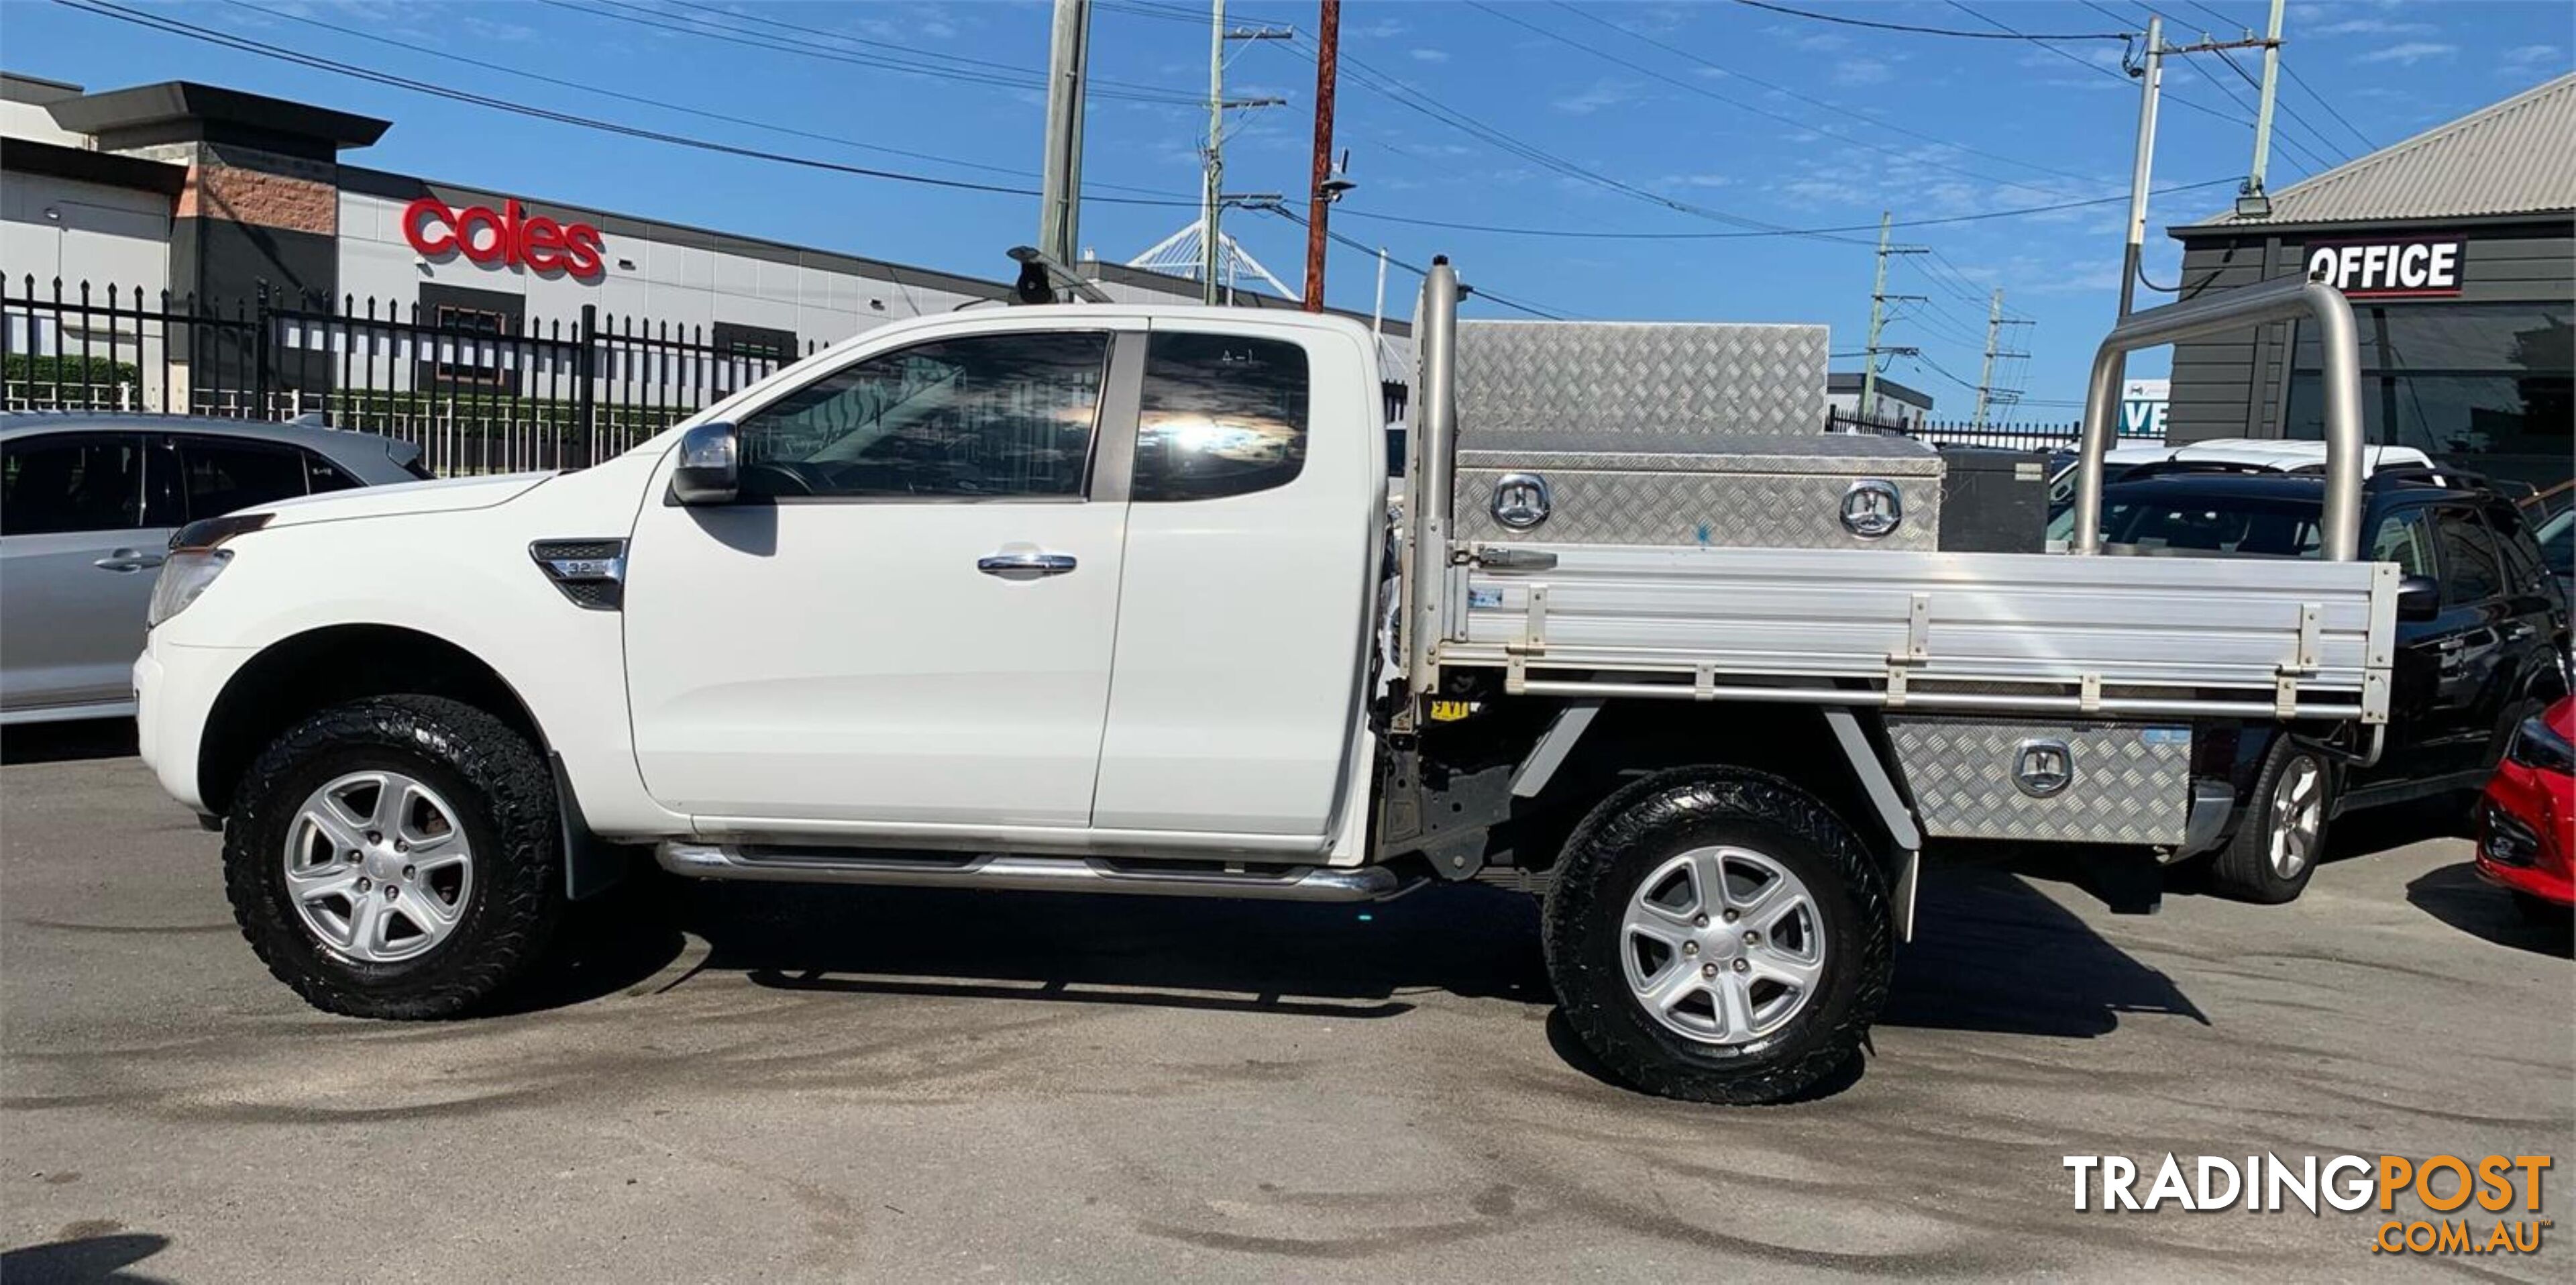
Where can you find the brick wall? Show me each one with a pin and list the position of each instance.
(215, 190)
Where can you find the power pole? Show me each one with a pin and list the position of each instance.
(1995, 322)
(1879, 298)
(1212, 202)
(2150, 87)
(1319, 201)
(1211, 249)
(1060, 199)
(2253, 192)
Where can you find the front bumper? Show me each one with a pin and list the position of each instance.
(2526, 833)
(174, 693)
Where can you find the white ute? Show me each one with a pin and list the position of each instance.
(1106, 598)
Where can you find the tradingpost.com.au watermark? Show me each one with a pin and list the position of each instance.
(2447, 1194)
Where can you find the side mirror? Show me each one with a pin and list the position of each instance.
(2419, 598)
(708, 472)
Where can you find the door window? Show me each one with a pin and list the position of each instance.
(71, 483)
(2513, 540)
(2400, 538)
(221, 476)
(1221, 415)
(2471, 571)
(992, 416)
(322, 475)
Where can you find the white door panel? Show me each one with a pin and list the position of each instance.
(1243, 622)
(851, 662)
(917, 631)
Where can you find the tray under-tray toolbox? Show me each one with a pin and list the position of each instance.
(1817, 491)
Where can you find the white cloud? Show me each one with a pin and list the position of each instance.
(1861, 71)
(1431, 55)
(2525, 55)
(2410, 53)
(2373, 27)
(1606, 93)
(1695, 180)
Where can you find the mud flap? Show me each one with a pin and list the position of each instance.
(592, 865)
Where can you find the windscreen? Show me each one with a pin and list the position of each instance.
(2227, 524)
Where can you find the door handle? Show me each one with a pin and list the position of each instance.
(130, 560)
(2520, 632)
(1024, 565)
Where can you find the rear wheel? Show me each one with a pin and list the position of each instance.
(396, 857)
(2283, 831)
(1718, 935)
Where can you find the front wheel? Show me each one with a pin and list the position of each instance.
(1718, 935)
(396, 857)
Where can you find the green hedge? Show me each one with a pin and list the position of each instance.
(23, 368)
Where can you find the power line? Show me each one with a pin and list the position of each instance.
(264, 49)
(2302, 82)
(2311, 154)
(2324, 145)
(1014, 79)
(1579, 234)
(1869, 122)
(1388, 87)
(1479, 292)
(2089, 65)
(1921, 31)
(644, 100)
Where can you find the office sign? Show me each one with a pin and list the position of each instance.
(509, 235)
(2397, 269)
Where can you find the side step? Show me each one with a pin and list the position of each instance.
(1030, 874)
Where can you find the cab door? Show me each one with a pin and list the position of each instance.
(1258, 496)
(907, 617)
(2463, 649)
(78, 550)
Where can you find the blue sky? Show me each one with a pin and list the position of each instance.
(1504, 113)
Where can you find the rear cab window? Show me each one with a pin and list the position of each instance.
(1221, 415)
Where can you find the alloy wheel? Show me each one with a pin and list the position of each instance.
(378, 866)
(1722, 945)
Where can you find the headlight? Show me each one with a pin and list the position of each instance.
(2535, 746)
(183, 577)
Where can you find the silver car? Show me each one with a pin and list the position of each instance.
(88, 503)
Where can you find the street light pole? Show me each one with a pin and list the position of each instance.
(2150, 86)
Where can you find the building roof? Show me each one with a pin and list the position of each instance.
(184, 108)
(2515, 157)
(1848, 381)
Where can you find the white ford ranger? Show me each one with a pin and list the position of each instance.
(1107, 598)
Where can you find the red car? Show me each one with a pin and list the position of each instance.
(2527, 821)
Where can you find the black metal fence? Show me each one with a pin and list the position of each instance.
(478, 392)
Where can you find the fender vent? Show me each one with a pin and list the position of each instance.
(592, 573)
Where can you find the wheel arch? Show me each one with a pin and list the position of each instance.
(1796, 743)
(298, 675)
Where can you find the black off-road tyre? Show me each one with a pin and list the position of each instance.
(2243, 869)
(1633, 832)
(506, 800)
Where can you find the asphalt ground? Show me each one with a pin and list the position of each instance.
(735, 1083)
